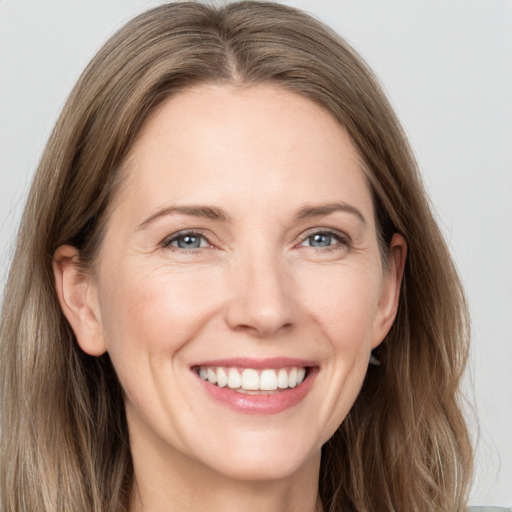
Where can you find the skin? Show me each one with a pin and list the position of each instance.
(257, 287)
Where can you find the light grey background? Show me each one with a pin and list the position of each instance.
(447, 67)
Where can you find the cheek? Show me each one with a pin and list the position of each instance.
(343, 305)
(148, 319)
(344, 301)
(155, 311)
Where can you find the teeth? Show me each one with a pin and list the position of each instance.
(268, 380)
(212, 376)
(222, 378)
(292, 378)
(234, 379)
(282, 379)
(253, 380)
(250, 379)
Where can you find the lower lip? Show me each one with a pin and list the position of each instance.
(261, 404)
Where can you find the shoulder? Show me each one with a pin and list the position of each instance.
(489, 509)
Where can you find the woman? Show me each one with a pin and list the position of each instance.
(230, 284)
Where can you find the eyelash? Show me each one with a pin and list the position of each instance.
(341, 238)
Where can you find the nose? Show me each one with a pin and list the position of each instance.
(262, 303)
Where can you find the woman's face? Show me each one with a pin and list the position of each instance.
(239, 289)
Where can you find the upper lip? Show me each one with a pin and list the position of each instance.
(246, 362)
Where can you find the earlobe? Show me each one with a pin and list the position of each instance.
(388, 303)
(78, 299)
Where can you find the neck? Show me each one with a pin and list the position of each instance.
(226, 497)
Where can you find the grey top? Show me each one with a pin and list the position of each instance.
(489, 509)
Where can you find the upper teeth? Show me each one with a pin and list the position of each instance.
(253, 380)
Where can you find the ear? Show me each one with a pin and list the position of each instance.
(390, 292)
(78, 297)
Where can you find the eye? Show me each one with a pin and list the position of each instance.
(186, 241)
(324, 239)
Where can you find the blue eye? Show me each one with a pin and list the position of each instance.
(323, 239)
(320, 240)
(187, 241)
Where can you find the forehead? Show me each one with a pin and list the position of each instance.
(213, 142)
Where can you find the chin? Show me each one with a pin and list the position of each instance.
(271, 469)
(261, 457)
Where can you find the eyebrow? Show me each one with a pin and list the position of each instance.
(327, 209)
(206, 212)
(213, 213)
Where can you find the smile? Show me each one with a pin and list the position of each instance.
(262, 387)
(252, 380)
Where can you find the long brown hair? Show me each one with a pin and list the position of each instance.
(64, 444)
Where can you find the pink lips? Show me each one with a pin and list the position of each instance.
(271, 403)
